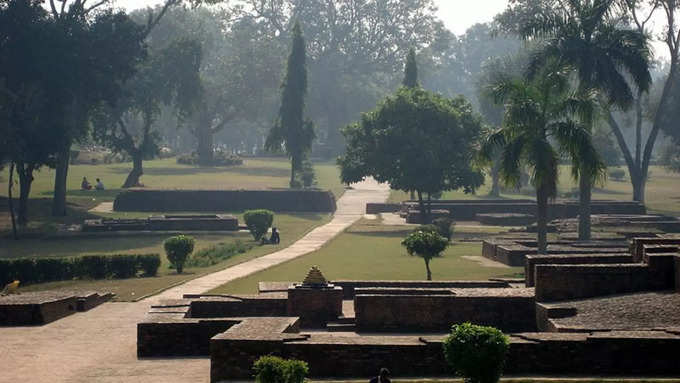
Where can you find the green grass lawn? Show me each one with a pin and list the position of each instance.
(292, 226)
(370, 250)
(662, 190)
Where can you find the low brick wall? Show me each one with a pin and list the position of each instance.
(638, 243)
(511, 310)
(348, 287)
(570, 259)
(38, 313)
(562, 282)
(505, 219)
(377, 208)
(225, 200)
(215, 307)
(614, 354)
(163, 337)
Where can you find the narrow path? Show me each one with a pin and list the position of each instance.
(100, 345)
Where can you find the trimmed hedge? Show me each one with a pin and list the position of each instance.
(31, 270)
(315, 201)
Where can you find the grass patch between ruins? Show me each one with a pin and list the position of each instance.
(371, 250)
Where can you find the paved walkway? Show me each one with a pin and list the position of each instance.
(100, 345)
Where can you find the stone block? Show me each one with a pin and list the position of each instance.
(570, 259)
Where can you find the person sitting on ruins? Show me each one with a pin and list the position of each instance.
(85, 185)
(383, 377)
(99, 185)
(275, 238)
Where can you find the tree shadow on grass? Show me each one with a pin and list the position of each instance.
(183, 171)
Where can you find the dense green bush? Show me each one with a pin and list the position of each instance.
(29, 270)
(617, 174)
(477, 353)
(178, 249)
(306, 175)
(258, 222)
(272, 369)
(149, 264)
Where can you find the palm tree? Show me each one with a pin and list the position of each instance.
(584, 36)
(538, 125)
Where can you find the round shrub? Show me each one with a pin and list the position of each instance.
(272, 369)
(178, 249)
(149, 263)
(477, 353)
(258, 222)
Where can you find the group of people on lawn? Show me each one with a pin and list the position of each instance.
(86, 185)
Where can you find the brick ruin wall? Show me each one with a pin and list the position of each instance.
(573, 259)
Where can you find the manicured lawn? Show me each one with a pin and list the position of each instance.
(292, 226)
(255, 173)
(370, 250)
(662, 190)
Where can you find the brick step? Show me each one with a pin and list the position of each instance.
(345, 320)
(340, 327)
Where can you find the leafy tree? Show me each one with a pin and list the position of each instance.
(538, 113)
(407, 141)
(427, 245)
(167, 77)
(584, 36)
(178, 249)
(258, 222)
(291, 130)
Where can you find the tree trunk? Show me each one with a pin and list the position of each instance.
(204, 135)
(639, 183)
(60, 178)
(495, 180)
(427, 267)
(424, 219)
(10, 200)
(25, 179)
(429, 207)
(585, 193)
(132, 179)
(413, 195)
(542, 219)
(292, 172)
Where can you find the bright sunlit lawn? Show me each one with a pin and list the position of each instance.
(662, 190)
(370, 250)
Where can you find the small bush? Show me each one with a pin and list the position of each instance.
(220, 158)
(149, 264)
(258, 222)
(617, 174)
(306, 175)
(121, 266)
(445, 226)
(272, 369)
(178, 249)
(91, 266)
(477, 353)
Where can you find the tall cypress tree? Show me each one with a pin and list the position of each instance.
(291, 130)
(411, 70)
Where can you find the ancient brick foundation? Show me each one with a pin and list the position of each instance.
(225, 200)
(314, 306)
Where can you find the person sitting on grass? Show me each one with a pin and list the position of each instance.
(383, 377)
(99, 185)
(275, 238)
(85, 185)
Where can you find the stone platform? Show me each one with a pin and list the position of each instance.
(39, 308)
(203, 222)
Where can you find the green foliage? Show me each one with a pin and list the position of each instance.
(272, 369)
(426, 244)
(407, 141)
(292, 130)
(477, 353)
(220, 158)
(445, 227)
(307, 176)
(258, 222)
(29, 270)
(149, 263)
(178, 249)
(411, 70)
(216, 254)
